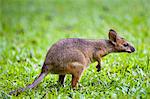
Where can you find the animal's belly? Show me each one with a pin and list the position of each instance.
(60, 70)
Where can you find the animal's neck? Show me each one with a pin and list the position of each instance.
(109, 47)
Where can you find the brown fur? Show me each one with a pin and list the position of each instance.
(74, 55)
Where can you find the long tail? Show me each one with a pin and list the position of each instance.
(34, 84)
(37, 81)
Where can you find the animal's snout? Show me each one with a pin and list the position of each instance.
(132, 49)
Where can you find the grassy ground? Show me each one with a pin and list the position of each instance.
(29, 27)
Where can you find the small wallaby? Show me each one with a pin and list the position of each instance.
(73, 56)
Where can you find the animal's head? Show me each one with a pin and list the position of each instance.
(119, 43)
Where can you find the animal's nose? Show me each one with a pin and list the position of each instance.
(132, 49)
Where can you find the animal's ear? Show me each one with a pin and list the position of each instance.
(112, 35)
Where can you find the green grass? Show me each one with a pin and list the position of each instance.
(29, 27)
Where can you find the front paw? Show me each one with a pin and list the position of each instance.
(98, 68)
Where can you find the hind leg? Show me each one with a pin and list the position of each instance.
(77, 70)
(75, 81)
(61, 79)
(98, 66)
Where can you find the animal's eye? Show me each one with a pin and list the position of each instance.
(125, 45)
